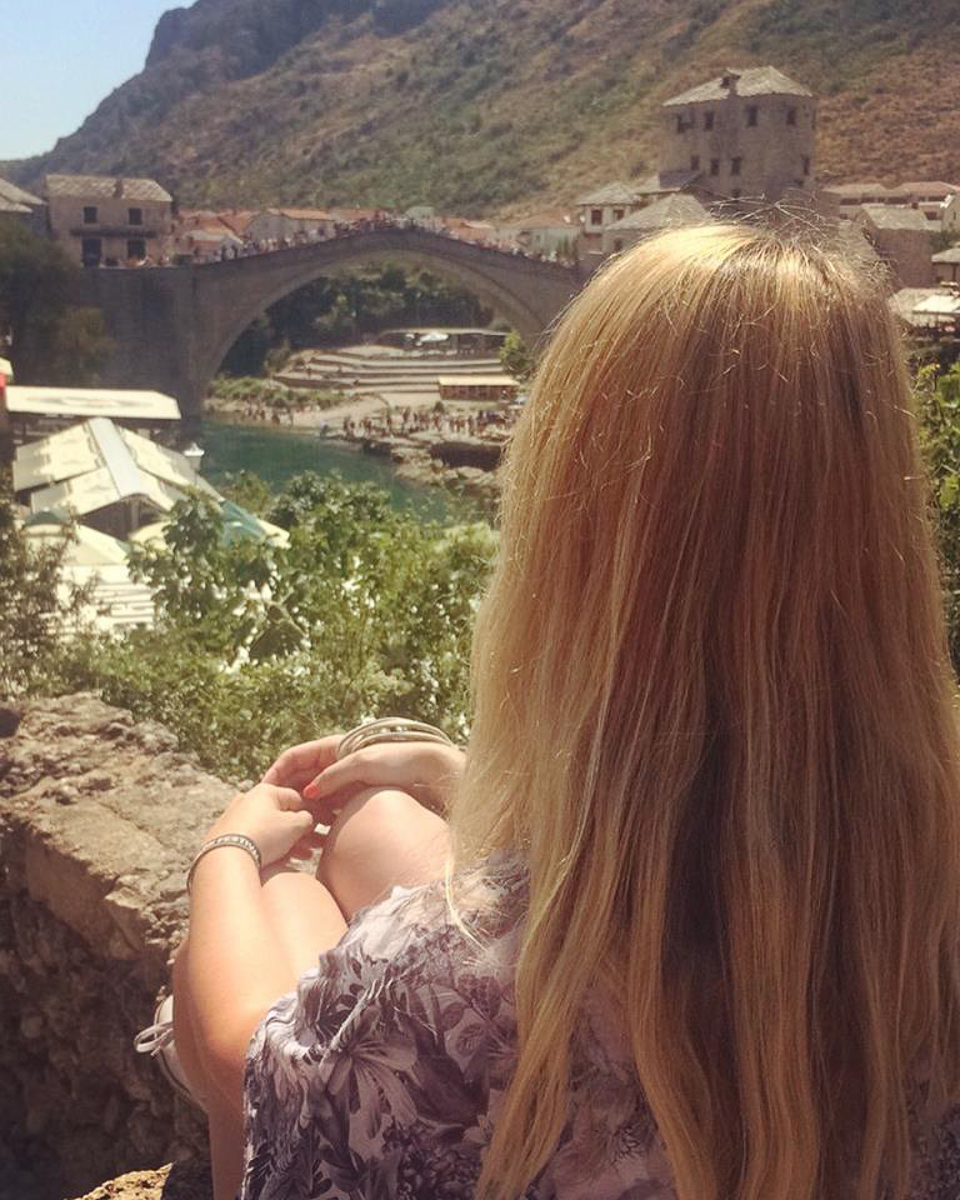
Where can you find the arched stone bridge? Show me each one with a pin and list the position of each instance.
(172, 326)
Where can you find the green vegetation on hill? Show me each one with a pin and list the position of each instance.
(501, 105)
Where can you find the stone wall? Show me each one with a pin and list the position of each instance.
(99, 817)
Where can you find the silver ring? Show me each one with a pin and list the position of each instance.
(389, 729)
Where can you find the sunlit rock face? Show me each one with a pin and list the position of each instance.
(99, 817)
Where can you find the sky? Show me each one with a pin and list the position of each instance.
(61, 58)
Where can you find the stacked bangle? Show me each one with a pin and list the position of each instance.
(240, 840)
(389, 729)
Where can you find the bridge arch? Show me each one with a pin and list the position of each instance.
(172, 327)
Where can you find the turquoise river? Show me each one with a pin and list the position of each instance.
(277, 455)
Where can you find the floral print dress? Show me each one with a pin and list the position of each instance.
(382, 1076)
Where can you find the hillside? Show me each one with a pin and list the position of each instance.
(497, 105)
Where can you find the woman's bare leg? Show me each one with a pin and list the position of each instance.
(307, 921)
(381, 838)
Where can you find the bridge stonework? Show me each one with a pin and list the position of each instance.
(171, 327)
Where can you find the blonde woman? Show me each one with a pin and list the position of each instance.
(694, 930)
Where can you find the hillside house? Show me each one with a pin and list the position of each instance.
(902, 238)
(602, 207)
(669, 212)
(552, 233)
(103, 220)
(292, 224)
(928, 196)
(748, 133)
(946, 265)
(950, 214)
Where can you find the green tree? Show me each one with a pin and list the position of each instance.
(51, 341)
(79, 348)
(938, 407)
(34, 279)
(516, 357)
(33, 610)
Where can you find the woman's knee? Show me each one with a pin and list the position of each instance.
(382, 837)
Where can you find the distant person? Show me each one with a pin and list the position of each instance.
(684, 923)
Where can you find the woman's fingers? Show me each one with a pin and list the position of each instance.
(352, 771)
(298, 765)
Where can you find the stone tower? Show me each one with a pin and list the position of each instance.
(748, 133)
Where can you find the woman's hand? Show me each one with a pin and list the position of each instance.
(274, 818)
(428, 771)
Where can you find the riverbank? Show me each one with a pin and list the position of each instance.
(445, 454)
(278, 453)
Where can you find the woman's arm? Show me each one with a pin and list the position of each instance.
(235, 967)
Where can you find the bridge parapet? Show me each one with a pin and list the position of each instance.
(172, 326)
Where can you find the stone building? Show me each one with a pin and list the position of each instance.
(669, 212)
(748, 133)
(946, 265)
(903, 239)
(103, 220)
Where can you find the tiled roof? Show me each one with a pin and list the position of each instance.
(950, 255)
(666, 213)
(905, 301)
(551, 219)
(751, 81)
(105, 187)
(15, 199)
(665, 181)
(303, 214)
(898, 216)
(927, 186)
(611, 193)
(869, 188)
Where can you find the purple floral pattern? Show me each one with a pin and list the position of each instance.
(382, 1076)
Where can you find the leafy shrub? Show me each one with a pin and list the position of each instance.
(256, 645)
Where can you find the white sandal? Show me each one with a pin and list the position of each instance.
(157, 1041)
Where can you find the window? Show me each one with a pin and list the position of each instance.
(619, 214)
(791, 116)
(596, 216)
(91, 251)
(735, 165)
(751, 114)
(134, 216)
(694, 162)
(680, 125)
(90, 216)
(708, 120)
(136, 248)
(714, 166)
(806, 165)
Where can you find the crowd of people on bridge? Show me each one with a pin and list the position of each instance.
(232, 246)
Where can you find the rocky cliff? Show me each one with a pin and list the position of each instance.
(493, 105)
(99, 817)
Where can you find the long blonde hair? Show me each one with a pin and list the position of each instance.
(714, 713)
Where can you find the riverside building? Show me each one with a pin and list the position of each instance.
(106, 220)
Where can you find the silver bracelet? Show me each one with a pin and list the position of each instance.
(240, 840)
(389, 729)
